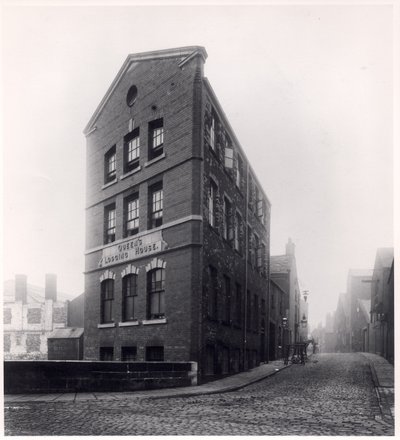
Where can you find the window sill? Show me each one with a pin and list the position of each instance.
(156, 159)
(106, 185)
(154, 321)
(108, 325)
(128, 323)
(130, 173)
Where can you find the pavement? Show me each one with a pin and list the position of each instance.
(383, 377)
(224, 385)
(332, 394)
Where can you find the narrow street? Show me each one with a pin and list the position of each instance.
(333, 394)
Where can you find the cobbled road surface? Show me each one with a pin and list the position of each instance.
(332, 395)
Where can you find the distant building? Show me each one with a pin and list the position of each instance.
(342, 324)
(278, 311)
(381, 339)
(29, 316)
(363, 312)
(31, 313)
(283, 272)
(304, 326)
(177, 223)
(358, 287)
(329, 338)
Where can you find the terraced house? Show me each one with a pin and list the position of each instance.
(177, 241)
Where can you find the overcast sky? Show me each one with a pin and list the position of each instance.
(307, 89)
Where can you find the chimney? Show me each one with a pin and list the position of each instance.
(50, 291)
(20, 288)
(290, 247)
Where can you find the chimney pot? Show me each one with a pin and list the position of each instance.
(21, 288)
(290, 246)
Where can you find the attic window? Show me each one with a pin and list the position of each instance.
(131, 96)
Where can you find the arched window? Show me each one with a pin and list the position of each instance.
(107, 299)
(129, 295)
(156, 293)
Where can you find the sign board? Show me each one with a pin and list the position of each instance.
(132, 249)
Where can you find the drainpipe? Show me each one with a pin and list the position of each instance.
(245, 262)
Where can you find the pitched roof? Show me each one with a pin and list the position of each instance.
(385, 256)
(365, 307)
(34, 294)
(280, 264)
(360, 272)
(184, 53)
(66, 333)
(344, 302)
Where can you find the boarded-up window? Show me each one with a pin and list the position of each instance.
(34, 315)
(59, 315)
(32, 343)
(7, 343)
(7, 316)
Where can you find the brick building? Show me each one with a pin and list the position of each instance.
(283, 272)
(342, 324)
(177, 241)
(381, 337)
(358, 287)
(30, 314)
(278, 311)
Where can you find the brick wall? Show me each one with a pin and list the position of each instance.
(179, 96)
(78, 376)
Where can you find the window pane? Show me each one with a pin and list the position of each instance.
(154, 304)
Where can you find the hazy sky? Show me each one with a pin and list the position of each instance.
(307, 88)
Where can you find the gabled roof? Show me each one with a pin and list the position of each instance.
(66, 333)
(280, 263)
(183, 53)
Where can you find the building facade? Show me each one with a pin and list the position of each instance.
(381, 336)
(29, 317)
(283, 271)
(358, 288)
(278, 329)
(177, 241)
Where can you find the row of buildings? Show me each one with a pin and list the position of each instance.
(364, 316)
(177, 261)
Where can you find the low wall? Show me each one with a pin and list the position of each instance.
(79, 376)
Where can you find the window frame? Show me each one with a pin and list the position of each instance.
(128, 351)
(212, 203)
(107, 296)
(156, 132)
(152, 347)
(110, 223)
(131, 164)
(157, 292)
(156, 215)
(238, 225)
(129, 290)
(110, 165)
(128, 232)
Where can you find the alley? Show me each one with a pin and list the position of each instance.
(333, 394)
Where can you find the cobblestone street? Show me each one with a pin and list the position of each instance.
(331, 395)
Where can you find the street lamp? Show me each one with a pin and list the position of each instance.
(304, 321)
(305, 295)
